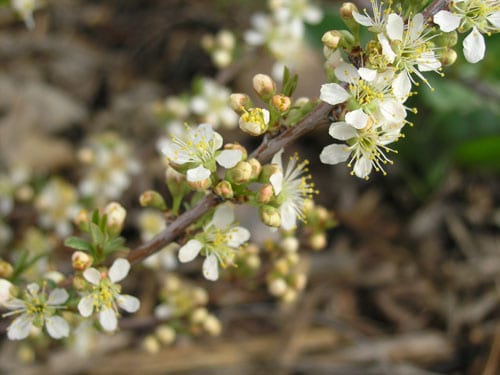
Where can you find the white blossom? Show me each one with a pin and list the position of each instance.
(104, 295)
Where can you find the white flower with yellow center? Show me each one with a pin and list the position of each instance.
(479, 16)
(197, 149)
(104, 295)
(255, 121)
(220, 238)
(292, 188)
(36, 310)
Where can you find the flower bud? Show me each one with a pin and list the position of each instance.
(264, 86)
(240, 174)
(281, 102)
(152, 199)
(150, 344)
(237, 146)
(81, 260)
(317, 241)
(207, 42)
(253, 261)
(299, 281)
(79, 283)
(6, 269)
(347, 9)
(82, 219)
(224, 190)
(212, 325)
(226, 39)
(267, 171)
(200, 296)
(290, 244)
(281, 266)
(165, 334)
(199, 315)
(200, 185)
(289, 296)
(55, 276)
(332, 39)
(448, 57)
(256, 168)
(240, 102)
(255, 121)
(265, 194)
(116, 215)
(270, 216)
(221, 58)
(277, 287)
(6, 289)
(176, 182)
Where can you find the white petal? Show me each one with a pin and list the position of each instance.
(395, 27)
(107, 318)
(333, 93)
(238, 235)
(277, 158)
(288, 217)
(334, 154)
(362, 20)
(57, 297)
(211, 268)
(312, 15)
(416, 26)
(15, 304)
(347, 73)
(276, 181)
(447, 21)
(362, 167)
(392, 110)
(474, 46)
(367, 74)
(92, 275)
(266, 116)
(229, 158)
(223, 216)
(119, 270)
(199, 173)
(401, 86)
(189, 251)
(128, 303)
(386, 48)
(494, 19)
(428, 62)
(357, 118)
(57, 327)
(254, 38)
(342, 131)
(20, 328)
(33, 288)
(86, 306)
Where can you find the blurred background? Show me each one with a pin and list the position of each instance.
(407, 283)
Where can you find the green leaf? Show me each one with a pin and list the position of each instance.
(78, 244)
(97, 235)
(482, 153)
(114, 245)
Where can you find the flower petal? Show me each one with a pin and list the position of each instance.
(362, 20)
(386, 48)
(86, 306)
(333, 93)
(20, 328)
(362, 167)
(276, 181)
(334, 154)
(199, 173)
(211, 268)
(57, 327)
(92, 275)
(237, 236)
(189, 251)
(57, 297)
(223, 216)
(357, 118)
(447, 21)
(128, 303)
(229, 158)
(342, 131)
(401, 86)
(367, 74)
(347, 73)
(494, 19)
(395, 27)
(288, 217)
(108, 320)
(119, 270)
(474, 46)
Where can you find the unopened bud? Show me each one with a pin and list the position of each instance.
(82, 219)
(176, 182)
(332, 39)
(152, 199)
(264, 86)
(281, 102)
(322, 214)
(347, 9)
(221, 58)
(289, 296)
(317, 241)
(6, 269)
(237, 146)
(277, 287)
(270, 216)
(199, 315)
(281, 266)
(240, 103)
(299, 281)
(81, 260)
(224, 190)
(256, 167)
(226, 39)
(290, 244)
(448, 57)
(265, 194)
(267, 171)
(6, 289)
(212, 325)
(200, 296)
(253, 261)
(150, 344)
(255, 121)
(116, 215)
(200, 185)
(207, 42)
(240, 174)
(79, 283)
(165, 334)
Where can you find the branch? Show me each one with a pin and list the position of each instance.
(434, 7)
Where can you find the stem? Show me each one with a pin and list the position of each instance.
(434, 7)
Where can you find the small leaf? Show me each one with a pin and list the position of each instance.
(97, 235)
(114, 245)
(78, 244)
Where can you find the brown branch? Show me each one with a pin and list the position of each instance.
(434, 7)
